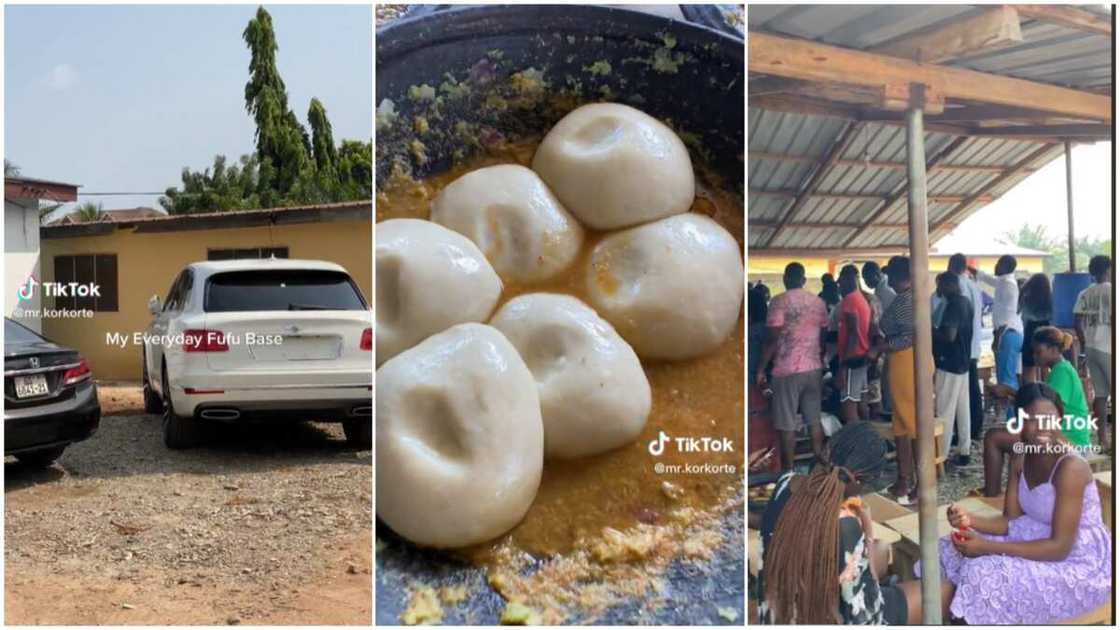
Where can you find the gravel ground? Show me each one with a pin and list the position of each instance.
(263, 525)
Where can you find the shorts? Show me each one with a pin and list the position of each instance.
(1100, 372)
(855, 386)
(874, 391)
(895, 608)
(793, 393)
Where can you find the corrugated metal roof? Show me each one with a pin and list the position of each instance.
(1049, 53)
(869, 171)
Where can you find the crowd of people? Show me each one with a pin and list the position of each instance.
(850, 351)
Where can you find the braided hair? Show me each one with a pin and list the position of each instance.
(802, 557)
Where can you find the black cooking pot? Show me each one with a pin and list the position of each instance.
(478, 74)
(451, 81)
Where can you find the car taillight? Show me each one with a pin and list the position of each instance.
(204, 341)
(77, 374)
(367, 340)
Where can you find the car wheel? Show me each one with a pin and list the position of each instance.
(152, 403)
(178, 432)
(359, 433)
(41, 459)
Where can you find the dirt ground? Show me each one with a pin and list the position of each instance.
(264, 525)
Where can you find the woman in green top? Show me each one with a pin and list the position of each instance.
(1047, 345)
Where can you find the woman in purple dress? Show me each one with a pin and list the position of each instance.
(1048, 557)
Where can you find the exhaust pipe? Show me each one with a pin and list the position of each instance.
(220, 414)
(364, 410)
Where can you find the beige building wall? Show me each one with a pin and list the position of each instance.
(147, 263)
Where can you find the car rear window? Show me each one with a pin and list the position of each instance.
(16, 333)
(281, 290)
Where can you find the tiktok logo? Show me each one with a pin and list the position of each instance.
(1015, 425)
(657, 446)
(26, 291)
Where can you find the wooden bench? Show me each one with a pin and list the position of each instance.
(1101, 616)
(1104, 487)
(884, 430)
(1100, 463)
(908, 550)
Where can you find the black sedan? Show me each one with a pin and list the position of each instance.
(50, 400)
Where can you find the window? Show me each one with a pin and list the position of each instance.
(282, 290)
(250, 252)
(99, 270)
(16, 332)
(180, 291)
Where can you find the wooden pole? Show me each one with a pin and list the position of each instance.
(923, 357)
(1069, 205)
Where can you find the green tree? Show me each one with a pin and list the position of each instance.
(219, 187)
(10, 168)
(282, 141)
(88, 212)
(1038, 237)
(355, 169)
(322, 138)
(290, 166)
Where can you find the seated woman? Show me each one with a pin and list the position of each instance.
(1047, 343)
(1048, 557)
(821, 563)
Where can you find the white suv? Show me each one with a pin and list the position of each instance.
(259, 340)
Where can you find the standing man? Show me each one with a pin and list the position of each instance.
(795, 322)
(958, 265)
(1007, 343)
(876, 280)
(952, 344)
(853, 342)
(1093, 320)
(897, 341)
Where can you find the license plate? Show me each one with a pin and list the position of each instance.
(30, 386)
(310, 348)
(300, 348)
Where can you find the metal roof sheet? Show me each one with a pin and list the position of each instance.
(853, 191)
(1049, 53)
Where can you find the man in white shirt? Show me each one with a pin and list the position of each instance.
(1093, 317)
(1008, 342)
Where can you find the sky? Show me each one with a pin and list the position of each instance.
(1040, 199)
(121, 98)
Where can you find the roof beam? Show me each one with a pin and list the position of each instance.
(801, 252)
(809, 106)
(810, 61)
(1018, 170)
(1074, 131)
(793, 194)
(792, 104)
(843, 141)
(993, 28)
(983, 113)
(1068, 16)
(901, 191)
(828, 226)
(894, 166)
(773, 85)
